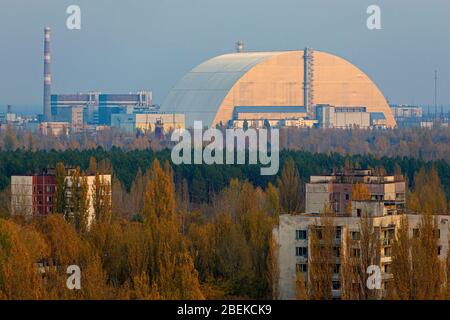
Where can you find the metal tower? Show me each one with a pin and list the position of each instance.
(308, 81)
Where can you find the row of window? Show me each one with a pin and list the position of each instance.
(356, 236)
(48, 189)
(303, 268)
(38, 200)
(303, 252)
(303, 234)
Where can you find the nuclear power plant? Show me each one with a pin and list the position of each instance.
(75, 112)
(301, 88)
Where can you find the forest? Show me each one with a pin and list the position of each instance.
(204, 181)
(194, 232)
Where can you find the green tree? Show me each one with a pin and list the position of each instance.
(79, 201)
(61, 189)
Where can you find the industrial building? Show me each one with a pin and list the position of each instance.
(215, 91)
(73, 115)
(98, 107)
(54, 128)
(384, 207)
(349, 117)
(35, 195)
(148, 122)
(8, 117)
(86, 108)
(258, 117)
(408, 116)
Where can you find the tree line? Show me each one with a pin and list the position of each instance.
(419, 143)
(203, 181)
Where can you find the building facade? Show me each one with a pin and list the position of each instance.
(35, 195)
(293, 239)
(408, 116)
(74, 115)
(148, 122)
(98, 106)
(265, 116)
(336, 191)
(349, 117)
(354, 199)
(54, 128)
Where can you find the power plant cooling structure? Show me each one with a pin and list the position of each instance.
(47, 76)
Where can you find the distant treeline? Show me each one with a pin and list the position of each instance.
(419, 143)
(206, 180)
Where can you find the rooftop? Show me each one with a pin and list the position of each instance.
(356, 176)
(270, 109)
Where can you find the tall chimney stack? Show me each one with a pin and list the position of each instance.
(47, 76)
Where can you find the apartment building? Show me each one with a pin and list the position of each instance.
(383, 208)
(35, 195)
(336, 191)
(294, 245)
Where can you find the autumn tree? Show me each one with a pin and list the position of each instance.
(322, 257)
(362, 250)
(290, 187)
(170, 265)
(428, 193)
(78, 201)
(427, 269)
(273, 201)
(273, 272)
(10, 140)
(101, 199)
(20, 249)
(401, 286)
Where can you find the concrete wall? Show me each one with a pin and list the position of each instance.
(352, 119)
(22, 195)
(317, 196)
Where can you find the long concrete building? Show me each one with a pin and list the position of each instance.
(303, 78)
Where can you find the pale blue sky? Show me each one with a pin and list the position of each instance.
(149, 44)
